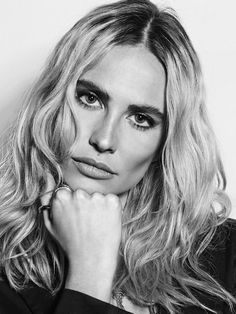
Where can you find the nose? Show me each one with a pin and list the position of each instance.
(103, 137)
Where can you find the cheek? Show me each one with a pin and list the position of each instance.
(85, 122)
(134, 168)
(140, 151)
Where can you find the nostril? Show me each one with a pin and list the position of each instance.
(101, 146)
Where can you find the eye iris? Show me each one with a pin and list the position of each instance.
(91, 98)
(140, 118)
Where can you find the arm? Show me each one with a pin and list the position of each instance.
(88, 227)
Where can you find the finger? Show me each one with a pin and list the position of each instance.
(60, 197)
(48, 191)
(81, 194)
(47, 221)
(45, 199)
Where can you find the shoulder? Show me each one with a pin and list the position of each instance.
(220, 256)
(229, 224)
(10, 300)
(225, 236)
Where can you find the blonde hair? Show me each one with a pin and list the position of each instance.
(167, 212)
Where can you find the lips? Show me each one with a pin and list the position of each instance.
(93, 163)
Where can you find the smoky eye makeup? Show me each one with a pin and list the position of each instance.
(88, 101)
(92, 97)
(88, 87)
(87, 98)
(142, 122)
(145, 117)
(80, 91)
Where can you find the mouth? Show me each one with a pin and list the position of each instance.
(90, 168)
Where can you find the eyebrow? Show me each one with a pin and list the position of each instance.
(105, 97)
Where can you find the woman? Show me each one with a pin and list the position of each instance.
(112, 191)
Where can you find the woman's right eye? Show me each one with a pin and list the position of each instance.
(89, 101)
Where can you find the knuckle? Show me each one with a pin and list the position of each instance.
(113, 198)
(80, 194)
(97, 196)
(62, 195)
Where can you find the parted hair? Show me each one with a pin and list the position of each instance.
(170, 216)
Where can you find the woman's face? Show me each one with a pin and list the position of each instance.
(119, 104)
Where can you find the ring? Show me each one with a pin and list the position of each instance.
(44, 207)
(62, 187)
(48, 207)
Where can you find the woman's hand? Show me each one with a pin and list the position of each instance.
(88, 228)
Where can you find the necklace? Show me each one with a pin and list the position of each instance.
(118, 295)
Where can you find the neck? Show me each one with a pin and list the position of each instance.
(123, 199)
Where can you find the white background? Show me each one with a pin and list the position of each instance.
(29, 29)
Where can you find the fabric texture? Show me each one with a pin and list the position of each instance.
(219, 260)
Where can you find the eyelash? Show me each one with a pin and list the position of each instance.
(83, 104)
(150, 121)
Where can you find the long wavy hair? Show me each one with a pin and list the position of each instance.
(180, 199)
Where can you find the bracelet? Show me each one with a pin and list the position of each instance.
(118, 297)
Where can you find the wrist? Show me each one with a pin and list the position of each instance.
(94, 283)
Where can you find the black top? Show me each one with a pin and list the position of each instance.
(219, 260)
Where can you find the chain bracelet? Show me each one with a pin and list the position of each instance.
(118, 297)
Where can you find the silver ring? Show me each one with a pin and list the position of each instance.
(62, 187)
(44, 207)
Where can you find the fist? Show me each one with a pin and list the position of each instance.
(85, 223)
(88, 227)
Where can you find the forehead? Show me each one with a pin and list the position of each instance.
(130, 74)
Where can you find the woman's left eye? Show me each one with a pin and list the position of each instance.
(89, 101)
(141, 121)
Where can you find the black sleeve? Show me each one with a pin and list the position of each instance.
(219, 260)
(74, 302)
(230, 276)
(228, 269)
(221, 256)
(36, 300)
(11, 302)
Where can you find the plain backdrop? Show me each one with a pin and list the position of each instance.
(29, 29)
